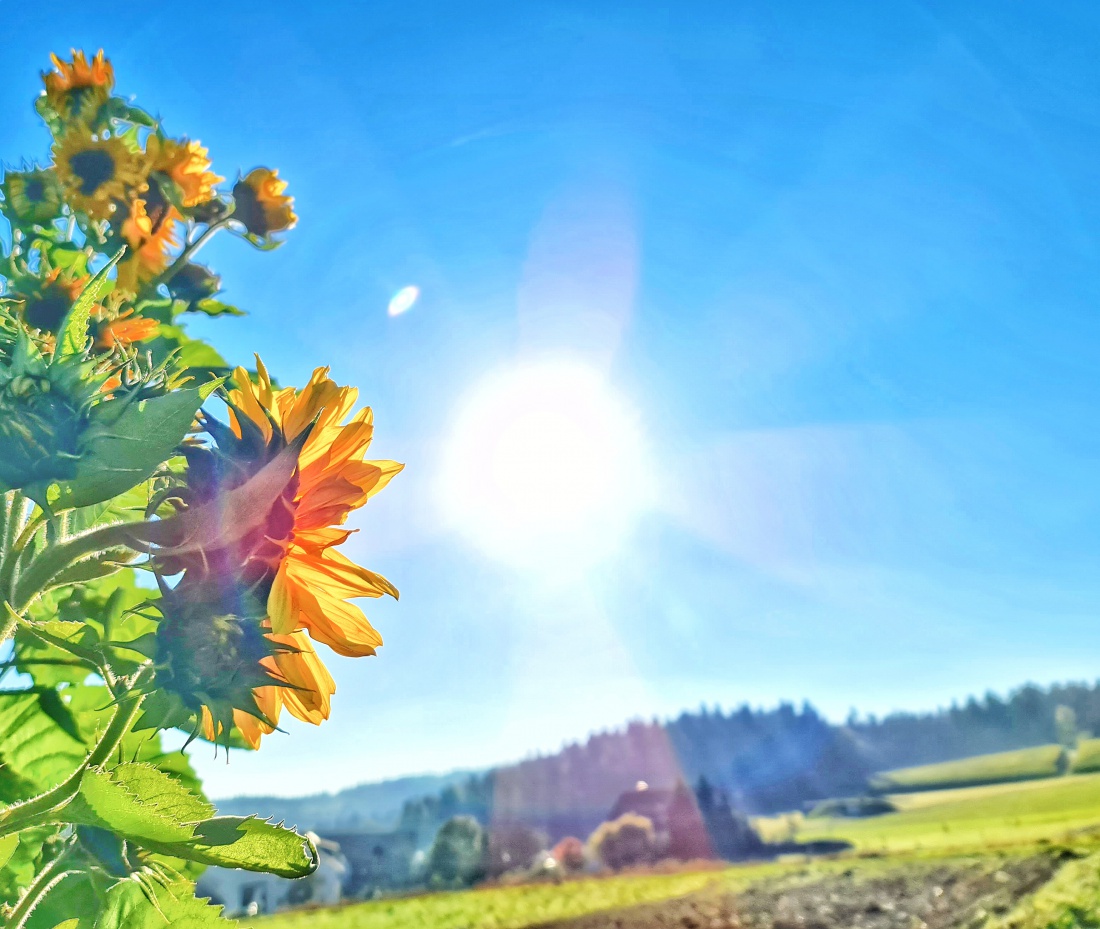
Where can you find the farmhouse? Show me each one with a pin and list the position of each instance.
(376, 860)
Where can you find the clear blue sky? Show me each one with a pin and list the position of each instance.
(841, 258)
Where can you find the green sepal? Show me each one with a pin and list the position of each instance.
(72, 335)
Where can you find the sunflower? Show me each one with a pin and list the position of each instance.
(123, 330)
(46, 301)
(78, 88)
(31, 196)
(289, 556)
(149, 228)
(94, 172)
(261, 205)
(186, 164)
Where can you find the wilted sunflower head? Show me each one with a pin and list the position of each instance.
(77, 89)
(94, 172)
(31, 196)
(186, 165)
(261, 205)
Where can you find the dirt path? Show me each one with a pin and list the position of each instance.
(925, 896)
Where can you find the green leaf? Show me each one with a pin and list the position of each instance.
(76, 902)
(68, 923)
(139, 802)
(195, 354)
(150, 808)
(33, 746)
(249, 843)
(8, 845)
(134, 904)
(19, 870)
(72, 335)
(212, 307)
(125, 447)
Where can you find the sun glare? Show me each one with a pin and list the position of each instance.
(545, 466)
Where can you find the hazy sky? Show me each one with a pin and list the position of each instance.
(839, 260)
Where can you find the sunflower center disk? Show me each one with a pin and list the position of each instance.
(47, 312)
(94, 168)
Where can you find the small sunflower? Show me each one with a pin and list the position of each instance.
(95, 172)
(289, 559)
(78, 88)
(45, 302)
(31, 196)
(186, 164)
(151, 235)
(123, 330)
(261, 205)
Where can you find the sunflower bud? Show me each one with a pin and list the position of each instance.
(30, 196)
(212, 651)
(41, 422)
(215, 655)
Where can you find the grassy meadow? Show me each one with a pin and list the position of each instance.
(1021, 765)
(512, 907)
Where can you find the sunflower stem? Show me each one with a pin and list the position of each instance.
(45, 807)
(54, 559)
(170, 272)
(49, 877)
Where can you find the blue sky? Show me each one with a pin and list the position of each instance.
(840, 259)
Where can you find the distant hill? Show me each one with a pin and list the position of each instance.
(366, 806)
(766, 760)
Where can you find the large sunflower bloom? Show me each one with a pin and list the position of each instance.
(79, 87)
(288, 555)
(151, 236)
(313, 581)
(261, 205)
(94, 172)
(186, 164)
(31, 196)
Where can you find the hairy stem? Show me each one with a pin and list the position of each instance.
(49, 877)
(45, 807)
(54, 559)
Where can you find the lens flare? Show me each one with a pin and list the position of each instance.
(403, 300)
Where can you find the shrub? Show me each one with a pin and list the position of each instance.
(511, 847)
(569, 853)
(628, 840)
(458, 852)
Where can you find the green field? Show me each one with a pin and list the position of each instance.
(968, 817)
(1020, 765)
(1087, 757)
(508, 907)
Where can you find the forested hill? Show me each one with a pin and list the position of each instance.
(767, 760)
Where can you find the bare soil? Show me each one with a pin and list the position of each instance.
(954, 895)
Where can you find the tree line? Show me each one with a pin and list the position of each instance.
(765, 760)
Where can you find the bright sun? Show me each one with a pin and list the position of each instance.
(545, 466)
